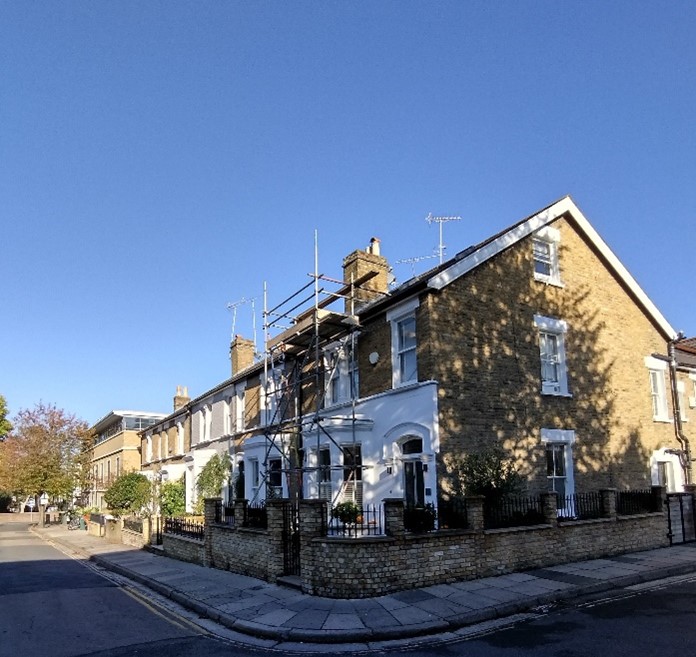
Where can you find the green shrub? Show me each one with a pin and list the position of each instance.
(130, 493)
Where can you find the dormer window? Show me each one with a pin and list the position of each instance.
(545, 253)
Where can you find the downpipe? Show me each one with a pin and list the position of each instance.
(685, 453)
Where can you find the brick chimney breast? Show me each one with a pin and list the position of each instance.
(241, 354)
(181, 398)
(358, 264)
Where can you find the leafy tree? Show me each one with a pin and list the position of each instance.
(5, 424)
(491, 473)
(128, 494)
(213, 476)
(44, 452)
(173, 498)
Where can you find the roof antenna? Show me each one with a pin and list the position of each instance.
(233, 307)
(440, 220)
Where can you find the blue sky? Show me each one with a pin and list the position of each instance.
(159, 160)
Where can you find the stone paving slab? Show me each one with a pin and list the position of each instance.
(267, 615)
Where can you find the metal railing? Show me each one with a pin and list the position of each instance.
(133, 525)
(631, 502)
(367, 520)
(184, 527)
(224, 513)
(452, 514)
(420, 519)
(580, 506)
(512, 512)
(256, 516)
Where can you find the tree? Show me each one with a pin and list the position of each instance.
(5, 424)
(129, 493)
(46, 451)
(213, 476)
(173, 498)
(491, 473)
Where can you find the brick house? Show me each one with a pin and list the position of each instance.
(116, 449)
(537, 340)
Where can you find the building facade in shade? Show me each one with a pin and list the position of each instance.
(116, 449)
(537, 341)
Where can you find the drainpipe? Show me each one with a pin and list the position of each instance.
(685, 455)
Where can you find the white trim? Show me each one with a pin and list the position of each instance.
(653, 363)
(660, 368)
(535, 223)
(566, 436)
(558, 328)
(402, 309)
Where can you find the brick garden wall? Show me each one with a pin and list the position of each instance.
(372, 566)
(184, 548)
(368, 567)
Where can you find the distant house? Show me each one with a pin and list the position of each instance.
(116, 449)
(537, 340)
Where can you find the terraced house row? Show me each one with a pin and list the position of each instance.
(537, 340)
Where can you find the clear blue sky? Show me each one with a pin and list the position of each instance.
(161, 159)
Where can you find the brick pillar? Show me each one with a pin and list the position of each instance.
(313, 515)
(549, 507)
(209, 515)
(474, 512)
(147, 530)
(240, 507)
(608, 502)
(394, 517)
(274, 529)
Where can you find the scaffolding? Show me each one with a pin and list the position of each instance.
(301, 334)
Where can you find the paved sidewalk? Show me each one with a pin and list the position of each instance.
(279, 614)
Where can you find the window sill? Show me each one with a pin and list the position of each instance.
(664, 420)
(555, 282)
(568, 395)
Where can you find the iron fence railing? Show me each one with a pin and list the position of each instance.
(256, 516)
(452, 514)
(580, 506)
(631, 502)
(184, 527)
(224, 513)
(420, 518)
(133, 525)
(156, 530)
(354, 521)
(512, 512)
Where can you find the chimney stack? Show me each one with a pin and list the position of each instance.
(181, 398)
(241, 354)
(359, 263)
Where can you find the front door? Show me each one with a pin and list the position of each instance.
(414, 486)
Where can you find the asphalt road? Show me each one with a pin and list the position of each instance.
(55, 606)
(654, 620)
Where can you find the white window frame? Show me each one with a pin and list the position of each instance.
(239, 406)
(396, 316)
(681, 392)
(557, 328)
(179, 437)
(549, 237)
(206, 423)
(658, 388)
(255, 476)
(565, 437)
